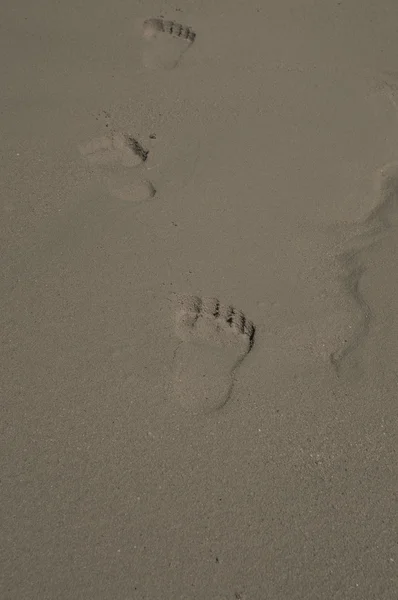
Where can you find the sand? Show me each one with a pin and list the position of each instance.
(199, 216)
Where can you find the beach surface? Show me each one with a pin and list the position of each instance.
(199, 337)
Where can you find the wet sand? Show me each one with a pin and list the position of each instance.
(198, 244)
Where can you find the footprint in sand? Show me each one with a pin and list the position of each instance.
(215, 339)
(137, 191)
(114, 148)
(165, 42)
(113, 156)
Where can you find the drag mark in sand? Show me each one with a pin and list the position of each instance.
(381, 222)
(215, 339)
(165, 42)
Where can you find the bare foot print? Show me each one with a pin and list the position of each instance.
(116, 148)
(214, 341)
(165, 42)
(137, 191)
(112, 157)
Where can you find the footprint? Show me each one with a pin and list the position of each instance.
(136, 191)
(165, 42)
(116, 148)
(112, 157)
(215, 339)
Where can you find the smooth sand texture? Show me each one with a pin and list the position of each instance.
(267, 179)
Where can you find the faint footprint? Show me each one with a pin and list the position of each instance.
(214, 341)
(112, 158)
(165, 42)
(116, 148)
(136, 191)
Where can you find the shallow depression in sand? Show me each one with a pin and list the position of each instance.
(215, 339)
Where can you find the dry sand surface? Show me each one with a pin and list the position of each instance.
(199, 246)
